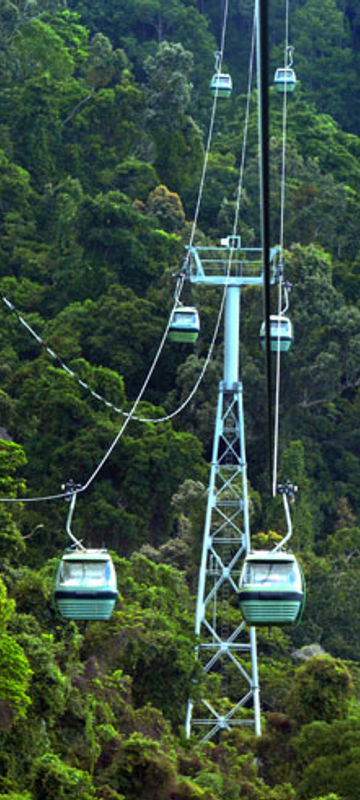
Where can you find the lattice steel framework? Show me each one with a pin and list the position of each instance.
(227, 648)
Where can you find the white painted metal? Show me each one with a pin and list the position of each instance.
(232, 333)
(209, 265)
(69, 520)
(286, 492)
(224, 646)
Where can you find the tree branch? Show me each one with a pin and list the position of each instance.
(348, 385)
(317, 402)
(79, 106)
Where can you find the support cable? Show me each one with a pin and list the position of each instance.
(262, 52)
(113, 444)
(281, 260)
(131, 415)
(284, 123)
(219, 60)
(246, 126)
(181, 279)
(99, 397)
(243, 154)
(183, 405)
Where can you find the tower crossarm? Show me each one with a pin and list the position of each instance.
(228, 265)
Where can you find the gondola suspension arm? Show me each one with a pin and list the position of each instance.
(288, 491)
(289, 54)
(72, 489)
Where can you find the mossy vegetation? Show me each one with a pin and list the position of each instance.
(105, 110)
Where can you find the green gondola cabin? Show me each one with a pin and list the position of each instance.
(281, 333)
(86, 587)
(184, 325)
(221, 83)
(285, 79)
(271, 589)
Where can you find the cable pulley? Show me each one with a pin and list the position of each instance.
(289, 489)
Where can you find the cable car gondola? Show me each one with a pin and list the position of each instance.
(86, 585)
(281, 333)
(271, 588)
(285, 79)
(184, 325)
(221, 83)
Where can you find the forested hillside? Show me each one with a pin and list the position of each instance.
(105, 115)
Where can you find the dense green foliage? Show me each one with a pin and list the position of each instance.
(105, 110)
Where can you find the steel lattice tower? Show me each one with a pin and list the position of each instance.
(226, 646)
